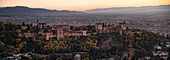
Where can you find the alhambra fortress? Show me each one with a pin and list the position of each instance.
(63, 31)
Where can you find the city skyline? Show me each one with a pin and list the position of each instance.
(81, 5)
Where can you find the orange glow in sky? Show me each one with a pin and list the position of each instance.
(81, 5)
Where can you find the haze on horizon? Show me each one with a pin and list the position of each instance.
(81, 5)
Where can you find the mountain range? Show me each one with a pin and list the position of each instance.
(114, 10)
(131, 10)
(27, 10)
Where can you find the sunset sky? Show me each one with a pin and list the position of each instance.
(80, 5)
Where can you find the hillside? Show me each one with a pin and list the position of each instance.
(132, 10)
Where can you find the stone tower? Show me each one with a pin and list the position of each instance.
(123, 25)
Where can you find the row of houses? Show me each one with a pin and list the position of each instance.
(160, 50)
(10, 56)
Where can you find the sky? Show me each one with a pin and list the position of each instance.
(81, 5)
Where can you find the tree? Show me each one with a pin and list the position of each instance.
(18, 31)
(23, 24)
(2, 26)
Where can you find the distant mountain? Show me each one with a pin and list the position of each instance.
(27, 10)
(131, 10)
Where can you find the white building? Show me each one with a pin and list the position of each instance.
(77, 57)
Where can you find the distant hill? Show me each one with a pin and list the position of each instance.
(27, 10)
(131, 10)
